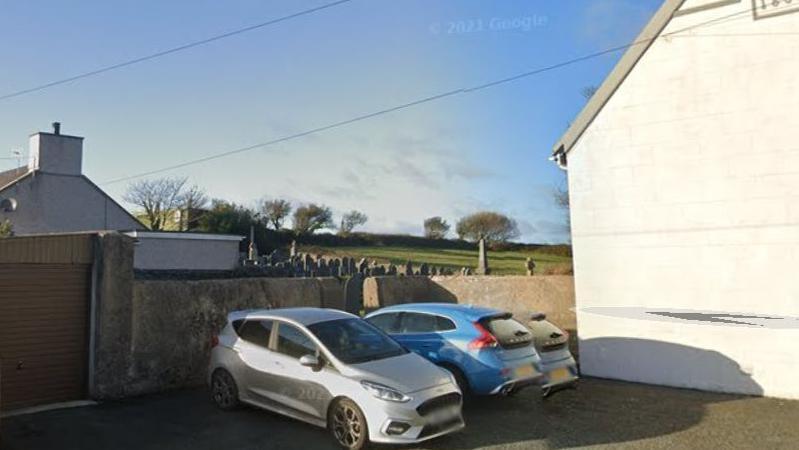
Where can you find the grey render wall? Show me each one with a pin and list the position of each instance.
(51, 203)
(172, 323)
(185, 254)
(111, 315)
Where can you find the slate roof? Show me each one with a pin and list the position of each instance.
(10, 176)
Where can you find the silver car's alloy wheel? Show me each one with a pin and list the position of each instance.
(224, 390)
(348, 425)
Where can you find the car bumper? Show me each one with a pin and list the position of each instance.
(384, 416)
(559, 372)
(516, 385)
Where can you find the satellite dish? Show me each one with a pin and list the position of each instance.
(8, 205)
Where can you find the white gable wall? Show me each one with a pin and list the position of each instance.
(685, 195)
(50, 203)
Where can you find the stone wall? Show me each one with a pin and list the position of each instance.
(553, 295)
(154, 335)
(173, 322)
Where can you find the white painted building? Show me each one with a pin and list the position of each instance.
(684, 186)
(51, 194)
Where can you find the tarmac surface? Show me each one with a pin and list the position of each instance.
(600, 414)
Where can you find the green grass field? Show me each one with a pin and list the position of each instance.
(500, 262)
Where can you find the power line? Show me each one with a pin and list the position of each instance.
(171, 50)
(413, 103)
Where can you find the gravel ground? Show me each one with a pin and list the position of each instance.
(600, 413)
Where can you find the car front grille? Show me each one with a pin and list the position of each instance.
(430, 430)
(436, 403)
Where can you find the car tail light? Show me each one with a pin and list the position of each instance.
(485, 340)
(214, 341)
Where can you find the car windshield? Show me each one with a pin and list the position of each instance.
(355, 341)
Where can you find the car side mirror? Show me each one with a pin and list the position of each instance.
(538, 317)
(310, 361)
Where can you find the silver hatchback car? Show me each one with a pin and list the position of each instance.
(335, 370)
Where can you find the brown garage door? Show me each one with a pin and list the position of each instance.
(43, 333)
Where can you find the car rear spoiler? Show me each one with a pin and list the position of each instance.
(537, 317)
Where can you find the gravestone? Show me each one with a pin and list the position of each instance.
(345, 266)
(351, 269)
(353, 294)
(424, 270)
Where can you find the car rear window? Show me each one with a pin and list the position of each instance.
(256, 332)
(509, 332)
(388, 322)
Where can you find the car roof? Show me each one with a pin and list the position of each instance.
(471, 312)
(303, 316)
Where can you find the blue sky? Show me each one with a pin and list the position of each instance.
(485, 150)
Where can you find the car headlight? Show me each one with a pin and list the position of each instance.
(384, 392)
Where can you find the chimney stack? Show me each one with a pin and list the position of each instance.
(56, 153)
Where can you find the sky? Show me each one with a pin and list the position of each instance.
(485, 150)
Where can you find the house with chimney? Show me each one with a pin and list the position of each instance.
(52, 195)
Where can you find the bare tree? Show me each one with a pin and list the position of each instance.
(193, 200)
(313, 217)
(158, 199)
(561, 196)
(275, 212)
(436, 228)
(351, 220)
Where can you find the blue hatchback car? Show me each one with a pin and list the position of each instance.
(486, 350)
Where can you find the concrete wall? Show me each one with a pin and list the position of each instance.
(553, 295)
(112, 308)
(50, 203)
(684, 202)
(154, 253)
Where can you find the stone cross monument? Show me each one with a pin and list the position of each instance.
(482, 259)
(252, 250)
